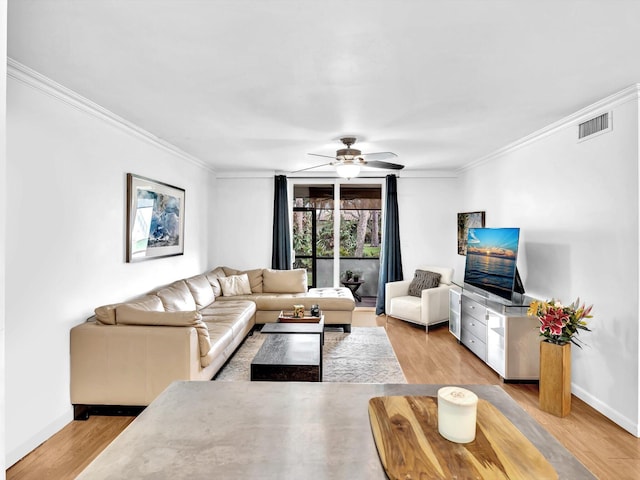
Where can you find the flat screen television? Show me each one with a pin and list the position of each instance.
(492, 255)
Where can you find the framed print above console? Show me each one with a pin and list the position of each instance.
(155, 219)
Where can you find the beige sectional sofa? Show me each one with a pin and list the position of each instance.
(129, 352)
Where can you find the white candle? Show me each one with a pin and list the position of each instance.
(457, 409)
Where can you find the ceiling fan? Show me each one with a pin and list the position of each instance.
(349, 160)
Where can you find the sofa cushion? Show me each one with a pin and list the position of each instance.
(236, 314)
(228, 271)
(235, 285)
(132, 314)
(406, 307)
(128, 314)
(177, 297)
(213, 277)
(106, 314)
(255, 279)
(325, 298)
(201, 290)
(284, 281)
(221, 339)
(422, 280)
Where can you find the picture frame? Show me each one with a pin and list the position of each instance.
(467, 220)
(155, 219)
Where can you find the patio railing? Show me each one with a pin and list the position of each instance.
(367, 268)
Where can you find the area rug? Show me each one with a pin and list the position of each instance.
(363, 356)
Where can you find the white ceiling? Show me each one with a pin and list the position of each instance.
(258, 84)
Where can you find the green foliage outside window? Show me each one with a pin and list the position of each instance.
(349, 243)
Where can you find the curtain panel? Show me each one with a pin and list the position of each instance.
(281, 246)
(390, 257)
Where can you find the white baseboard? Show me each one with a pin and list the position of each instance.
(36, 440)
(630, 425)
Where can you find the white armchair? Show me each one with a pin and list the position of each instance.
(430, 308)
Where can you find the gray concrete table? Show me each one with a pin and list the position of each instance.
(273, 430)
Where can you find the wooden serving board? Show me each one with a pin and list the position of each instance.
(405, 430)
(299, 319)
(287, 317)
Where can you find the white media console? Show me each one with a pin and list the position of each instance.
(499, 332)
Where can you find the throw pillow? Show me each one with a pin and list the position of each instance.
(235, 285)
(422, 280)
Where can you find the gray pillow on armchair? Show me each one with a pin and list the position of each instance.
(423, 279)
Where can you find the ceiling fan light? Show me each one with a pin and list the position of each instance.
(348, 170)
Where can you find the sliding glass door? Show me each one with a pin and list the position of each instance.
(313, 227)
(360, 237)
(348, 216)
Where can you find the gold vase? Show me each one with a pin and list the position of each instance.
(555, 378)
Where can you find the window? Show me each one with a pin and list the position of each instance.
(313, 222)
(316, 217)
(360, 225)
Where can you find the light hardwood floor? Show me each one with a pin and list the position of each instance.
(604, 448)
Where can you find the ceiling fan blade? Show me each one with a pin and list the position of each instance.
(386, 165)
(379, 156)
(325, 156)
(315, 166)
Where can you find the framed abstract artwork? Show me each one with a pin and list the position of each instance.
(155, 219)
(465, 221)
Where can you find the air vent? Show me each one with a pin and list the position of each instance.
(599, 124)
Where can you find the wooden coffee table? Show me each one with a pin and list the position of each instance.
(289, 358)
(316, 328)
(296, 327)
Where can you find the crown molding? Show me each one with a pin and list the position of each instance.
(45, 85)
(237, 174)
(427, 174)
(631, 93)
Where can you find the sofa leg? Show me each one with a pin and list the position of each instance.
(81, 412)
(347, 328)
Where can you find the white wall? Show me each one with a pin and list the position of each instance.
(577, 207)
(3, 183)
(427, 210)
(66, 175)
(243, 222)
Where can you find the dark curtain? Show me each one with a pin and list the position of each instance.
(281, 248)
(390, 257)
